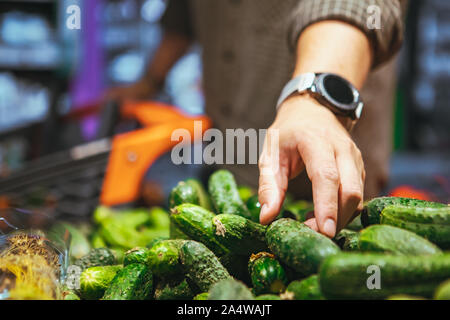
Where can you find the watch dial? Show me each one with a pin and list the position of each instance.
(338, 89)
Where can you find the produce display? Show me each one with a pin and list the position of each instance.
(209, 245)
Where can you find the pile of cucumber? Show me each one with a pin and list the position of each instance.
(217, 250)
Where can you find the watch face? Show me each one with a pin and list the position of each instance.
(338, 89)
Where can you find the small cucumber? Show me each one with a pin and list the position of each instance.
(163, 258)
(203, 196)
(355, 224)
(268, 297)
(183, 193)
(348, 240)
(267, 274)
(201, 266)
(443, 291)
(372, 210)
(430, 223)
(306, 289)
(298, 246)
(202, 296)
(254, 207)
(133, 282)
(388, 239)
(404, 297)
(136, 255)
(174, 289)
(95, 280)
(378, 276)
(298, 210)
(230, 289)
(95, 258)
(225, 195)
(245, 192)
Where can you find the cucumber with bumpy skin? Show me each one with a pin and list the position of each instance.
(163, 258)
(203, 196)
(135, 255)
(133, 282)
(202, 296)
(348, 240)
(174, 289)
(201, 266)
(267, 274)
(95, 280)
(224, 194)
(430, 223)
(230, 289)
(254, 207)
(298, 246)
(183, 193)
(443, 291)
(306, 289)
(371, 213)
(268, 297)
(388, 239)
(95, 258)
(378, 276)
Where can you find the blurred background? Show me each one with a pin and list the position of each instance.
(52, 80)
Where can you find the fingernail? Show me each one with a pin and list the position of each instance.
(329, 227)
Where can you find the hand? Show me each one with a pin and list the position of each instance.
(140, 90)
(312, 138)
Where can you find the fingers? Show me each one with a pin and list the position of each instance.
(351, 188)
(320, 163)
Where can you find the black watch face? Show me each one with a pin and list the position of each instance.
(339, 90)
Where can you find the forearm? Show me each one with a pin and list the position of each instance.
(335, 47)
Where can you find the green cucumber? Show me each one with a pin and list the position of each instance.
(203, 196)
(254, 207)
(298, 210)
(306, 289)
(230, 289)
(388, 239)
(97, 241)
(347, 240)
(372, 209)
(430, 223)
(133, 282)
(174, 289)
(202, 296)
(355, 275)
(443, 291)
(267, 274)
(404, 297)
(355, 224)
(245, 192)
(136, 255)
(197, 223)
(183, 193)
(79, 244)
(201, 266)
(225, 195)
(163, 258)
(95, 280)
(298, 246)
(95, 258)
(268, 297)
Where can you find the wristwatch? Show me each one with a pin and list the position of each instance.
(331, 90)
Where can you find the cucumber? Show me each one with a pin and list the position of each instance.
(254, 207)
(95, 280)
(163, 258)
(267, 274)
(203, 196)
(183, 193)
(202, 296)
(355, 224)
(298, 246)
(245, 192)
(230, 289)
(443, 291)
(97, 241)
(174, 289)
(79, 244)
(354, 275)
(95, 258)
(268, 297)
(197, 223)
(430, 223)
(225, 195)
(238, 234)
(348, 240)
(201, 266)
(155, 241)
(176, 233)
(136, 255)
(71, 296)
(372, 210)
(133, 282)
(306, 289)
(298, 210)
(388, 239)
(404, 297)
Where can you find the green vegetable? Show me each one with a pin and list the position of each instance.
(377, 276)
(388, 239)
(443, 291)
(97, 241)
(298, 246)
(79, 244)
(404, 297)
(348, 240)
(267, 274)
(245, 193)
(430, 223)
(203, 196)
(96, 257)
(174, 289)
(95, 280)
(202, 296)
(306, 289)
(254, 207)
(230, 289)
(155, 241)
(201, 266)
(133, 282)
(119, 254)
(197, 223)
(268, 297)
(183, 193)
(355, 224)
(136, 255)
(163, 257)
(372, 210)
(225, 195)
(298, 210)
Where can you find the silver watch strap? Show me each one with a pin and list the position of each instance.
(299, 84)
